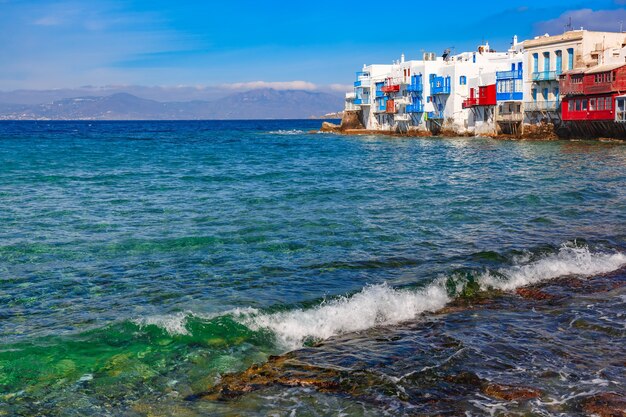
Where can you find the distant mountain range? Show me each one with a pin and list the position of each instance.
(255, 104)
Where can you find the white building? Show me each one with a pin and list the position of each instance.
(431, 93)
(547, 57)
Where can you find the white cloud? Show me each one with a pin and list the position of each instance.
(342, 88)
(600, 20)
(277, 85)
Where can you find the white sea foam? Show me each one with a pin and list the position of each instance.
(287, 132)
(569, 260)
(374, 306)
(174, 324)
(380, 305)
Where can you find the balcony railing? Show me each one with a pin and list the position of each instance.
(470, 102)
(572, 89)
(509, 75)
(402, 117)
(510, 96)
(361, 101)
(544, 76)
(415, 88)
(435, 115)
(510, 117)
(415, 108)
(364, 83)
(391, 88)
(350, 106)
(439, 89)
(542, 106)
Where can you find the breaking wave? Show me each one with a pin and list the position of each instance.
(380, 305)
(287, 132)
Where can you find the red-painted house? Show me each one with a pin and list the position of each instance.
(589, 94)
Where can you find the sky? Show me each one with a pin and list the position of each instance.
(313, 45)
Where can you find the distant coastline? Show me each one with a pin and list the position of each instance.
(260, 104)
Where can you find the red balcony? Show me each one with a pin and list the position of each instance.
(394, 88)
(571, 84)
(470, 102)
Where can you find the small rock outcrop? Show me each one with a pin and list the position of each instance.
(351, 121)
(330, 127)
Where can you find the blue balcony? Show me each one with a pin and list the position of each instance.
(439, 85)
(381, 104)
(362, 79)
(417, 85)
(510, 75)
(435, 115)
(362, 101)
(415, 108)
(379, 90)
(415, 88)
(544, 76)
(510, 96)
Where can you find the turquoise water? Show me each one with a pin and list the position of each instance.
(139, 261)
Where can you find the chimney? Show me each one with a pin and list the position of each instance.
(515, 40)
(402, 58)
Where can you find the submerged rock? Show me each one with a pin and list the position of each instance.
(278, 370)
(605, 405)
(510, 392)
(533, 294)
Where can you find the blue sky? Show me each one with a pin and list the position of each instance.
(242, 44)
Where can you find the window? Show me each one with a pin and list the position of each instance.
(600, 104)
(584, 106)
(578, 102)
(592, 104)
(570, 58)
(463, 80)
(546, 61)
(559, 62)
(603, 77)
(534, 94)
(535, 62)
(571, 105)
(620, 115)
(608, 103)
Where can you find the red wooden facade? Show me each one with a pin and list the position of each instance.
(596, 107)
(590, 94)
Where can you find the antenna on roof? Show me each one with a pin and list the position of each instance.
(568, 27)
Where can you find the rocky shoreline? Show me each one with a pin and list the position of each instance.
(545, 131)
(454, 380)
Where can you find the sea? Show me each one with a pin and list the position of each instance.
(255, 268)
